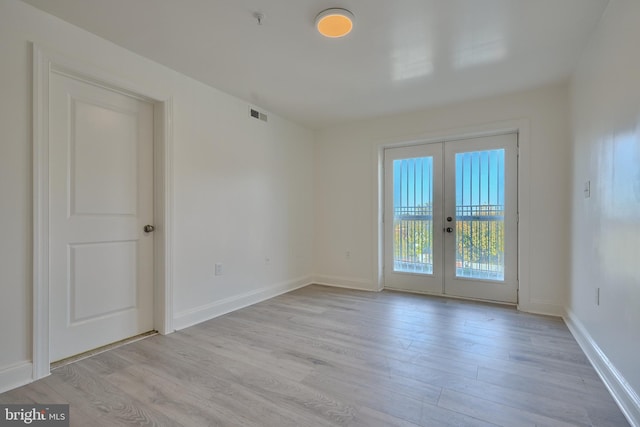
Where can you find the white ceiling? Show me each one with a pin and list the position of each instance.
(402, 55)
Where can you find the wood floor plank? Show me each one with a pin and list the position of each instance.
(41, 392)
(563, 410)
(380, 398)
(496, 413)
(274, 387)
(198, 371)
(102, 400)
(175, 399)
(588, 397)
(323, 357)
(367, 417)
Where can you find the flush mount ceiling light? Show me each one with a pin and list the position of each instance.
(334, 22)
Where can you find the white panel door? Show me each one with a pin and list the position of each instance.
(101, 196)
(451, 218)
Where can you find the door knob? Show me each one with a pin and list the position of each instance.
(449, 230)
(148, 228)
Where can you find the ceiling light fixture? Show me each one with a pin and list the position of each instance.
(334, 22)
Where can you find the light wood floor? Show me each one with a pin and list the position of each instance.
(330, 357)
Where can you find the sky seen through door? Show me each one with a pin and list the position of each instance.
(479, 180)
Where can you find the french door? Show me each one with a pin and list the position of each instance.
(450, 218)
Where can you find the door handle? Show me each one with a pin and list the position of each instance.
(148, 228)
(449, 230)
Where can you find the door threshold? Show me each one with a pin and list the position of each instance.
(454, 297)
(86, 354)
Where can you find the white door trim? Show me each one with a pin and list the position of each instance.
(519, 126)
(45, 62)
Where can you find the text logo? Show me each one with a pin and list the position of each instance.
(34, 415)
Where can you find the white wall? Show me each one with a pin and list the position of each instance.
(243, 188)
(346, 183)
(605, 240)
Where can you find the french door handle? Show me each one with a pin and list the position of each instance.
(449, 230)
(148, 228)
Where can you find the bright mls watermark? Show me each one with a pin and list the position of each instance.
(34, 415)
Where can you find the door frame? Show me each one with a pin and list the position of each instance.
(46, 62)
(519, 126)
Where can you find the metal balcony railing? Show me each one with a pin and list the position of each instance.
(479, 240)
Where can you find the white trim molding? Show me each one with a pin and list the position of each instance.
(346, 283)
(44, 63)
(205, 312)
(41, 70)
(15, 376)
(163, 216)
(544, 307)
(625, 396)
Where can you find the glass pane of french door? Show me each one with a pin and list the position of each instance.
(479, 217)
(413, 215)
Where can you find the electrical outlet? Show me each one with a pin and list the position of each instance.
(218, 269)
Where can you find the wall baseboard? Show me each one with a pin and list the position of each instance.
(345, 282)
(541, 307)
(15, 376)
(624, 395)
(206, 312)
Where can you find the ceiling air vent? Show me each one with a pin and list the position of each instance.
(257, 114)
